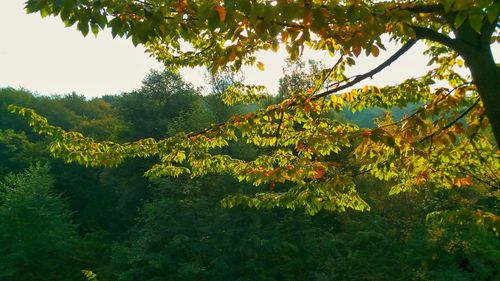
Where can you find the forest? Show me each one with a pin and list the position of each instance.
(63, 221)
(332, 178)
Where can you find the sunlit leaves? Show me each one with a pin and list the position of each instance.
(442, 144)
(239, 93)
(335, 195)
(89, 275)
(433, 146)
(484, 219)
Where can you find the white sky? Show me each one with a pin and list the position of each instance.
(44, 56)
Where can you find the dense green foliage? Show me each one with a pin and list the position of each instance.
(37, 239)
(122, 226)
(434, 149)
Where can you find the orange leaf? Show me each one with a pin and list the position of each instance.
(421, 178)
(366, 133)
(319, 172)
(307, 105)
(284, 36)
(356, 49)
(222, 13)
(462, 181)
(182, 5)
(232, 55)
(307, 108)
(236, 119)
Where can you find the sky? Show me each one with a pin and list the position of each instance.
(44, 56)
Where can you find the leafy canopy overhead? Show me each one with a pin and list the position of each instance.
(443, 144)
(229, 32)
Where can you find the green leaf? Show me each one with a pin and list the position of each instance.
(95, 29)
(493, 13)
(476, 20)
(83, 26)
(459, 19)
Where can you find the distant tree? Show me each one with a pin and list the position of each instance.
(163, 98)
(16, 151)
(37, 238)
(183, 234)
(298, 75)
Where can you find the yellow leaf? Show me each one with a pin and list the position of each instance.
(375, 51)
(222, 13)
(260, 66)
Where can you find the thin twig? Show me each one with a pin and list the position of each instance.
(370, 73)
(358, 79)
(452, 123)
(278, 130)
(421, 109)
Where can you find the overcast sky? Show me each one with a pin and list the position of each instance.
(44, 56)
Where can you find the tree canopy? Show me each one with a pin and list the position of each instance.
(445, 143)
(131, 228)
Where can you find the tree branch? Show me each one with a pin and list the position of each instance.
(452, 123)
(432, 35)
(425, 9)
(278, 130)
(359, 78)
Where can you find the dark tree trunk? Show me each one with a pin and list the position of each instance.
(486, 77)
(476, 50)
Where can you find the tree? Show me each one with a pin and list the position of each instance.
(443, 144)
(15, 151)
(163, 97)
(346, 28)
(37, 239)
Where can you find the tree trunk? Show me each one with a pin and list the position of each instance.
(476, 50)
(486, 77)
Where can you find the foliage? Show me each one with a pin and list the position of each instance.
(91, 276)
(438, 157)
(218, 33)
(432, 146)
(210, 243)
(15, 151)
(300, 155)
(132, 229)
(37, 239)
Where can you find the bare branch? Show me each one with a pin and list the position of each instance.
(425, 9)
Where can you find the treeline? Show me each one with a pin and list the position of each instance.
(57, 219)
